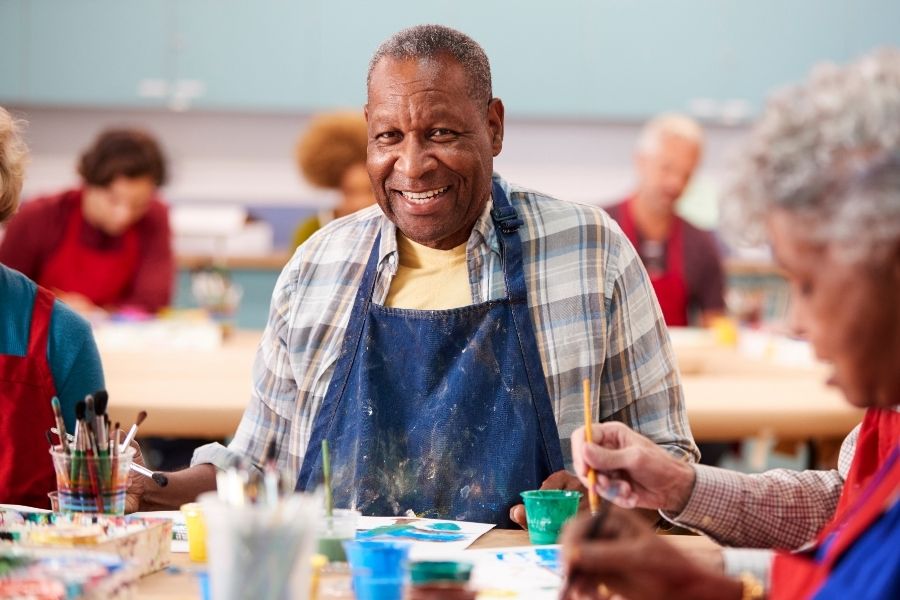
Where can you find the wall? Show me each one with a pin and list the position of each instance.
(248, 158)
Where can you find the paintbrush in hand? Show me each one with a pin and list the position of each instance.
(593, 498)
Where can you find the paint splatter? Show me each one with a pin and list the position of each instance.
(437, 532)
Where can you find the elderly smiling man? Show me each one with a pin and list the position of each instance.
(439, 340)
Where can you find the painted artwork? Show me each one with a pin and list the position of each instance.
(429, 537)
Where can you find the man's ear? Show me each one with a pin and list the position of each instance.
(495, 124)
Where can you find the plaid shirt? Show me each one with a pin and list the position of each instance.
(594, 313)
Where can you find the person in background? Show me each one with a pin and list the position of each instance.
(683, 262)
(332, 155)
(822, 172)
(46, 350)
(107, 244)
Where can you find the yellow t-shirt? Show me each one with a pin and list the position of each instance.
(429, 279)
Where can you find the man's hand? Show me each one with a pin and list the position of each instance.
(134, 493)
(630, 560)
(631, 470)
(561, 480)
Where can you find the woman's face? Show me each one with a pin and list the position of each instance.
(356, 190)
(115, 208)
(848, 311)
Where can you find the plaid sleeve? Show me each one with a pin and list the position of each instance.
(273, 394)
(776, 509)
(639, 373)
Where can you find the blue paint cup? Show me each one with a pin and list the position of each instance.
(368, 588)
(378, 559)
(379, 568)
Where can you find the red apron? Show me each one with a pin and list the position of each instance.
(26, 388)
(797, 575)
(670, 286)
(103, 276)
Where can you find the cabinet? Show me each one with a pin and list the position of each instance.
(12, 21)
(612, 59)
(93, 52)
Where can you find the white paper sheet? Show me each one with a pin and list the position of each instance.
(425, 535)
(533, 572)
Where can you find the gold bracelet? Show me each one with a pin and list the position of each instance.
(751, 587)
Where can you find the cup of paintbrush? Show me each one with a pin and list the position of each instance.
(89, 483)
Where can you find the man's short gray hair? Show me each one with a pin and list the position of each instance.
(432, 41)
(828, 151)
(673, 124)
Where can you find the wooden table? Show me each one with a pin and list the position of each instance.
(203, 393)
(183, 585)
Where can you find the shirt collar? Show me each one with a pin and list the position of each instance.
(482, 233)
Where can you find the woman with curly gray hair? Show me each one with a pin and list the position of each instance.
(46, 350)
(821, 176)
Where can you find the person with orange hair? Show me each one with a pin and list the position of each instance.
(332, 155)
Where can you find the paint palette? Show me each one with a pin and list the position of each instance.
(144, 542)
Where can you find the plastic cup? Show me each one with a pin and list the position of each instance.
(54, 501)
(442, 590)
(378, 568)
(91, 484)
(547, 511)
(333, 531)
(368, 588)
(259, 551)
(433, 571)
(196, 531)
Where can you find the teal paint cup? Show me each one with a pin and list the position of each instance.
(547, 511)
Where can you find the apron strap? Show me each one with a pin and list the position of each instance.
(353, 335)
(507, 224)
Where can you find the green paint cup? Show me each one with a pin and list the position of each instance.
(333, 531)
(547, 511)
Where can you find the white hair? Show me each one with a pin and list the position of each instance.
(673, 124)
(828, 151)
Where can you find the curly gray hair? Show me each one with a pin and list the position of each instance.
(13, 155)
(828, 151)
(431, 41)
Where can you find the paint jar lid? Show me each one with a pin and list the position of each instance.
(444, 590)
(429, 571)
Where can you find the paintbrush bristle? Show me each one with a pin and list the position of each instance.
(80, 409)
(160, 479)
(101, 401)
(54, 402)
(140, 418)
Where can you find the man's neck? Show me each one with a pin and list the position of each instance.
(650, 224)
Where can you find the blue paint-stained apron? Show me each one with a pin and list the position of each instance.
(444, 412)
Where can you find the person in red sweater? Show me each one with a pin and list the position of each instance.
(105, 245)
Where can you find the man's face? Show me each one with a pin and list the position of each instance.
(115, 208)
(848, 312)
(665, 171)
(431, 148)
